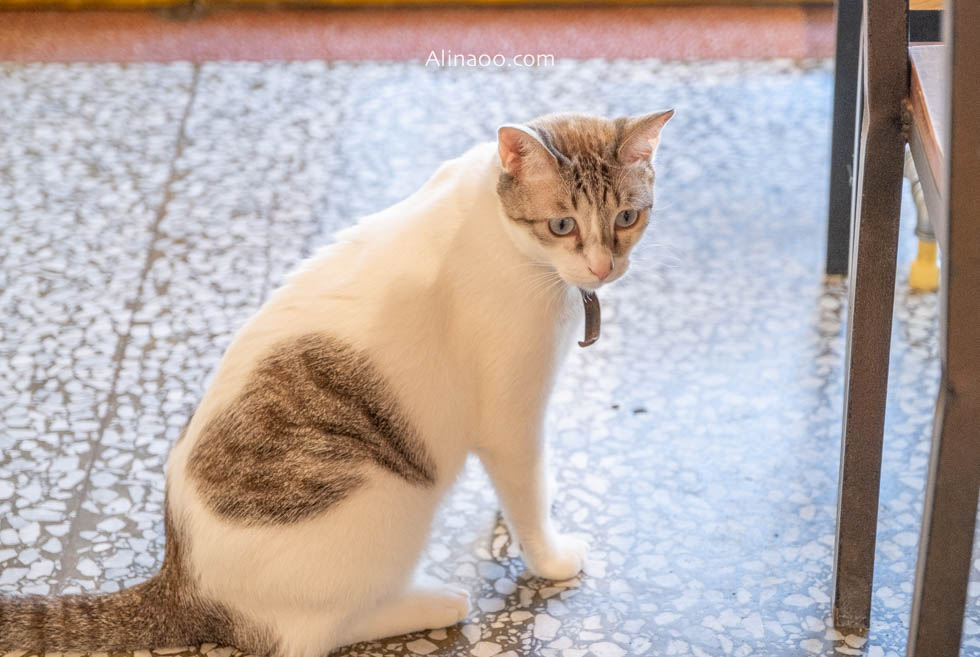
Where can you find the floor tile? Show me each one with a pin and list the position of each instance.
(85, 153)
(696, 443)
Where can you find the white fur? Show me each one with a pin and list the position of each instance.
(444, 297)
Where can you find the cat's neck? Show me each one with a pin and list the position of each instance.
(448, 239)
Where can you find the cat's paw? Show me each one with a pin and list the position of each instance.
(449, 605)
(564, 559)
(458, 601)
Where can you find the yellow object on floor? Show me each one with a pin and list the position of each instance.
(924, 274)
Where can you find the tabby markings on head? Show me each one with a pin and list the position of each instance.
(586, 176)
(292, 443)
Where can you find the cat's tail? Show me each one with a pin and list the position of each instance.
(144, 616)
(162, 612)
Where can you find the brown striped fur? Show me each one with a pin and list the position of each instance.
(289, 447)
(165, 610)
(295, 442)
(584, 170)
(316, 414)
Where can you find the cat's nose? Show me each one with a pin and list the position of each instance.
(602, 269)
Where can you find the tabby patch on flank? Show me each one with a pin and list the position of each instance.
(299, 498)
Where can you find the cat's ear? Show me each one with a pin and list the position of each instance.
(522, 153)
(641, 136)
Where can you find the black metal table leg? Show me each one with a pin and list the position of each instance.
(878, 190)
(842, 148)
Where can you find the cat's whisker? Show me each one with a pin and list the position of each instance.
(551, 290)
(539, 276)
(534, 266)
(544, 285)
(667, 249)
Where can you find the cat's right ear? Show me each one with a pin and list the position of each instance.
(642, 136)
(522, 153)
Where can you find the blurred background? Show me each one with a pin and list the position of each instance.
(163, 164)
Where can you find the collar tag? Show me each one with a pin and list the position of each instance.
(592, 317)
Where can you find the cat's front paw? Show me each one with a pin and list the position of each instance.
(456, 603)
(563, 559)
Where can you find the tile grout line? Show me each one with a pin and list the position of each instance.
(318, 236)
(71, 538)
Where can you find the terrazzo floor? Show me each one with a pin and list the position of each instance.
(147, 210)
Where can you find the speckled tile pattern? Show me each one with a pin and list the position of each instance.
(85, 156)
(147, 210)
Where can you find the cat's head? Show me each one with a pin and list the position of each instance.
(578, 190)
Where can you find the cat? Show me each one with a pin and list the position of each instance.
(300, 494)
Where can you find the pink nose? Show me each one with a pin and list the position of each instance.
(602, 271)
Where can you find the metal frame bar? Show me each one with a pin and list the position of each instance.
(923, 25)
(874, 247)
(950, 508)
(843, 147)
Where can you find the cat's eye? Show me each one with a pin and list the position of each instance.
(626, 218)
(562, 226)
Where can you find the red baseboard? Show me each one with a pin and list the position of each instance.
(628, 32)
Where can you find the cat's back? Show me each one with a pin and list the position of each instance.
(355, 340)
(431, 213)
(378, 275)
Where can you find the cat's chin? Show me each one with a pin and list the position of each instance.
(593, 285)
(572, 284)
(586, 284)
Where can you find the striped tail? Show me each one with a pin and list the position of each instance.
(144, 616)
(162, 612)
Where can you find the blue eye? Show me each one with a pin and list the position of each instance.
(626, 218)
(562, 226)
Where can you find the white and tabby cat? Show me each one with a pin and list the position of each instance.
(300, 496)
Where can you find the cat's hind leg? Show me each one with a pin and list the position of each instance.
(419, 608)
(315, 632)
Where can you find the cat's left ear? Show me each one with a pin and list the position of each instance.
(522, 153)
(641, 136)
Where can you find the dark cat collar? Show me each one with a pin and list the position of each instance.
(592, 317)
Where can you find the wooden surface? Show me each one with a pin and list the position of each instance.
(89, 4)
(925, 4)
(950, 507)
(927, 95)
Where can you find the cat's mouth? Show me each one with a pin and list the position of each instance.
(591, 284)
(593, 317)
